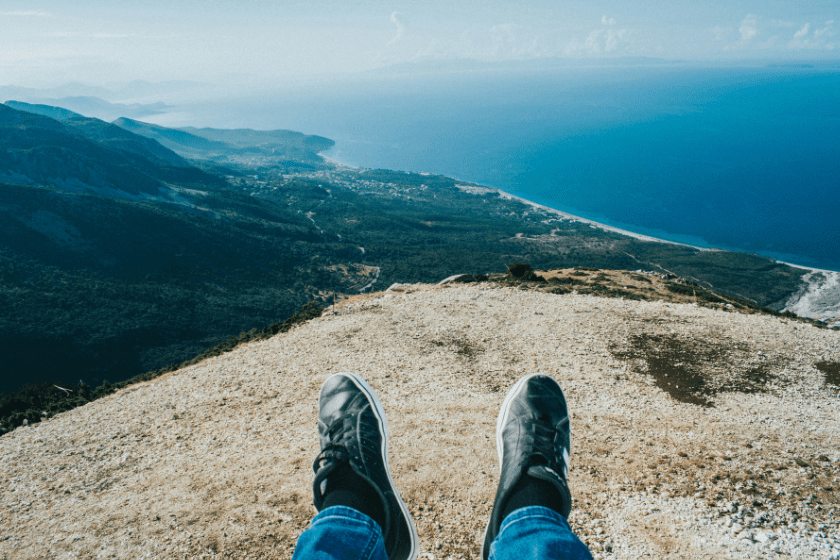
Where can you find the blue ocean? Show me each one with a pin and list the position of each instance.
(733, 158)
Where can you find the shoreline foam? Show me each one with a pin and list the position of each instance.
(818, 297)
(599, 225)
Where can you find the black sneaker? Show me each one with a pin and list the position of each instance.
(353, 430)
(533, 439)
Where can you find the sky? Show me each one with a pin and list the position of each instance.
(49, 42)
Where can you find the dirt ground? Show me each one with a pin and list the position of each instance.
(696, 432)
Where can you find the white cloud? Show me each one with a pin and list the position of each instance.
(593, 43)
(400, 28)
(599, 41)
(825, 30)
(607, 21)
(748, 28)
(819, 39)
(613, 39)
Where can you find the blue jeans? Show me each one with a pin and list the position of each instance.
(529, 533)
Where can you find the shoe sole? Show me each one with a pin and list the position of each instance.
(379, 412)
(512, 393)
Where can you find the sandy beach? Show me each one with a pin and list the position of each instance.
(593, 223)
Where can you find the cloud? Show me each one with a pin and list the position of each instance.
(599, 41)
(748, 30)
(613, 38)
(825, 30)
(400, 28)
(607, 21)
(819, 39)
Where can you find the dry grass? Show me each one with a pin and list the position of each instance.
(215, 460)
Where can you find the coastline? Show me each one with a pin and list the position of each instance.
(593, 223)
(565, 215)
(818, 296)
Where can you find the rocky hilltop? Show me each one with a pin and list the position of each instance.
(696, 432)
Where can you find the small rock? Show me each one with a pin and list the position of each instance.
(747, 535)
(764, 537)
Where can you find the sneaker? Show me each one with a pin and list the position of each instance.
(533, 439)
(353, 430)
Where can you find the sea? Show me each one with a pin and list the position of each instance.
(738, 157)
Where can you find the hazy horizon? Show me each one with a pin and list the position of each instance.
(49, 42)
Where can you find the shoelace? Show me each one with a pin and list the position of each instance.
(545, 443)
(338, 434)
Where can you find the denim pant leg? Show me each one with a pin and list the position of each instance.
(341, 533)
(537, 533)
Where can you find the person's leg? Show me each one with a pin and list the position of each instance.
(361, 514)
(341, 533)
(533, 438)
(537, 532)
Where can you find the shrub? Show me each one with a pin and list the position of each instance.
(520, 270)
(640, 278)
(681, 289)
(566, 280)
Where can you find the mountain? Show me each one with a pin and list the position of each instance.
(95, 107)
(84, 153)
(470, 65)
(245, 138)
(120, 257)
(71, 89)
(181, 141)
(101, 109)
(696, 433)
(122, 92)
(45, 110)
(235, 146)
(141, 89)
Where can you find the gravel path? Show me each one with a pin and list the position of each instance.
(214, 461)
